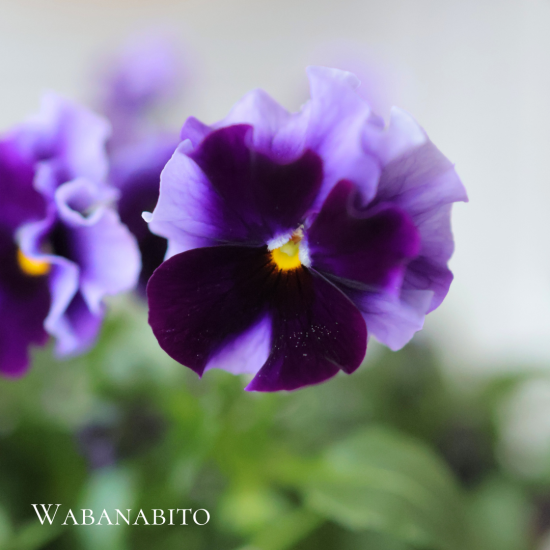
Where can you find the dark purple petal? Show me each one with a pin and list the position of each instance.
(255, 199)
(203, 301)
(20, 202)
(371, 248)
(24, 304)
(316, 332)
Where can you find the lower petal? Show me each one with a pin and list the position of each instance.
(317, 331)
(212, 307)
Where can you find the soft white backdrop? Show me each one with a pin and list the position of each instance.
(475, 73)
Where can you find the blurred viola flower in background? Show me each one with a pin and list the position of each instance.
(63, 246)
(291, 235)
(145, 77)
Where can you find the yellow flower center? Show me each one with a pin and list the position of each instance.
(288, 256)
(34, 268)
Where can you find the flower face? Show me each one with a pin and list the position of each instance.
(291, 235)
(62, 242)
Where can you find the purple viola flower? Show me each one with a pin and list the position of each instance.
(144, 77)
(136, 172)
(63, 245)
(291, 235)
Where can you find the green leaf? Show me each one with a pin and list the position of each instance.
(500, 515)
(385, 481)
(285, 531)
(33, 536)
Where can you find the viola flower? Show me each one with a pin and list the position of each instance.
(62, 243)
(292, 235)
(136, 172)
(144, 77)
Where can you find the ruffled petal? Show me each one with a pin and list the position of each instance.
(92, 254)
(230, 193)
(371, 248)
(424, 183)
(208, 304)
(392, 320)
(336, 122)
(278, 134)
(69, 137)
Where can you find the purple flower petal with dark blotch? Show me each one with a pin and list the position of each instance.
(203, 301)
(255, 199)
(233, 193)
(372, 248)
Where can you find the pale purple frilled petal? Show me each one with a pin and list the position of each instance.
(418, 178)
(70, 138)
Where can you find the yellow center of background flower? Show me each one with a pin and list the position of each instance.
(34, 268)
(288, 256)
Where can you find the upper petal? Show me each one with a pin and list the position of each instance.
(336, 123)
(67, 135)
(229, 192)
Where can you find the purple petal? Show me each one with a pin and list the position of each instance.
(212, 303)
(105, 253)
(371, 247)
(20, 201)
(424, 183)
(230, 193)
(316, 332)
(393, 320)
(136, 173)
(247, 353)
(93, 255)
(24, 303)
(259, 198)
(337, 118)
(195, 131)
(205, 300)
(67, 136)
(278, 134)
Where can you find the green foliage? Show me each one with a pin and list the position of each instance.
(390, 458)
